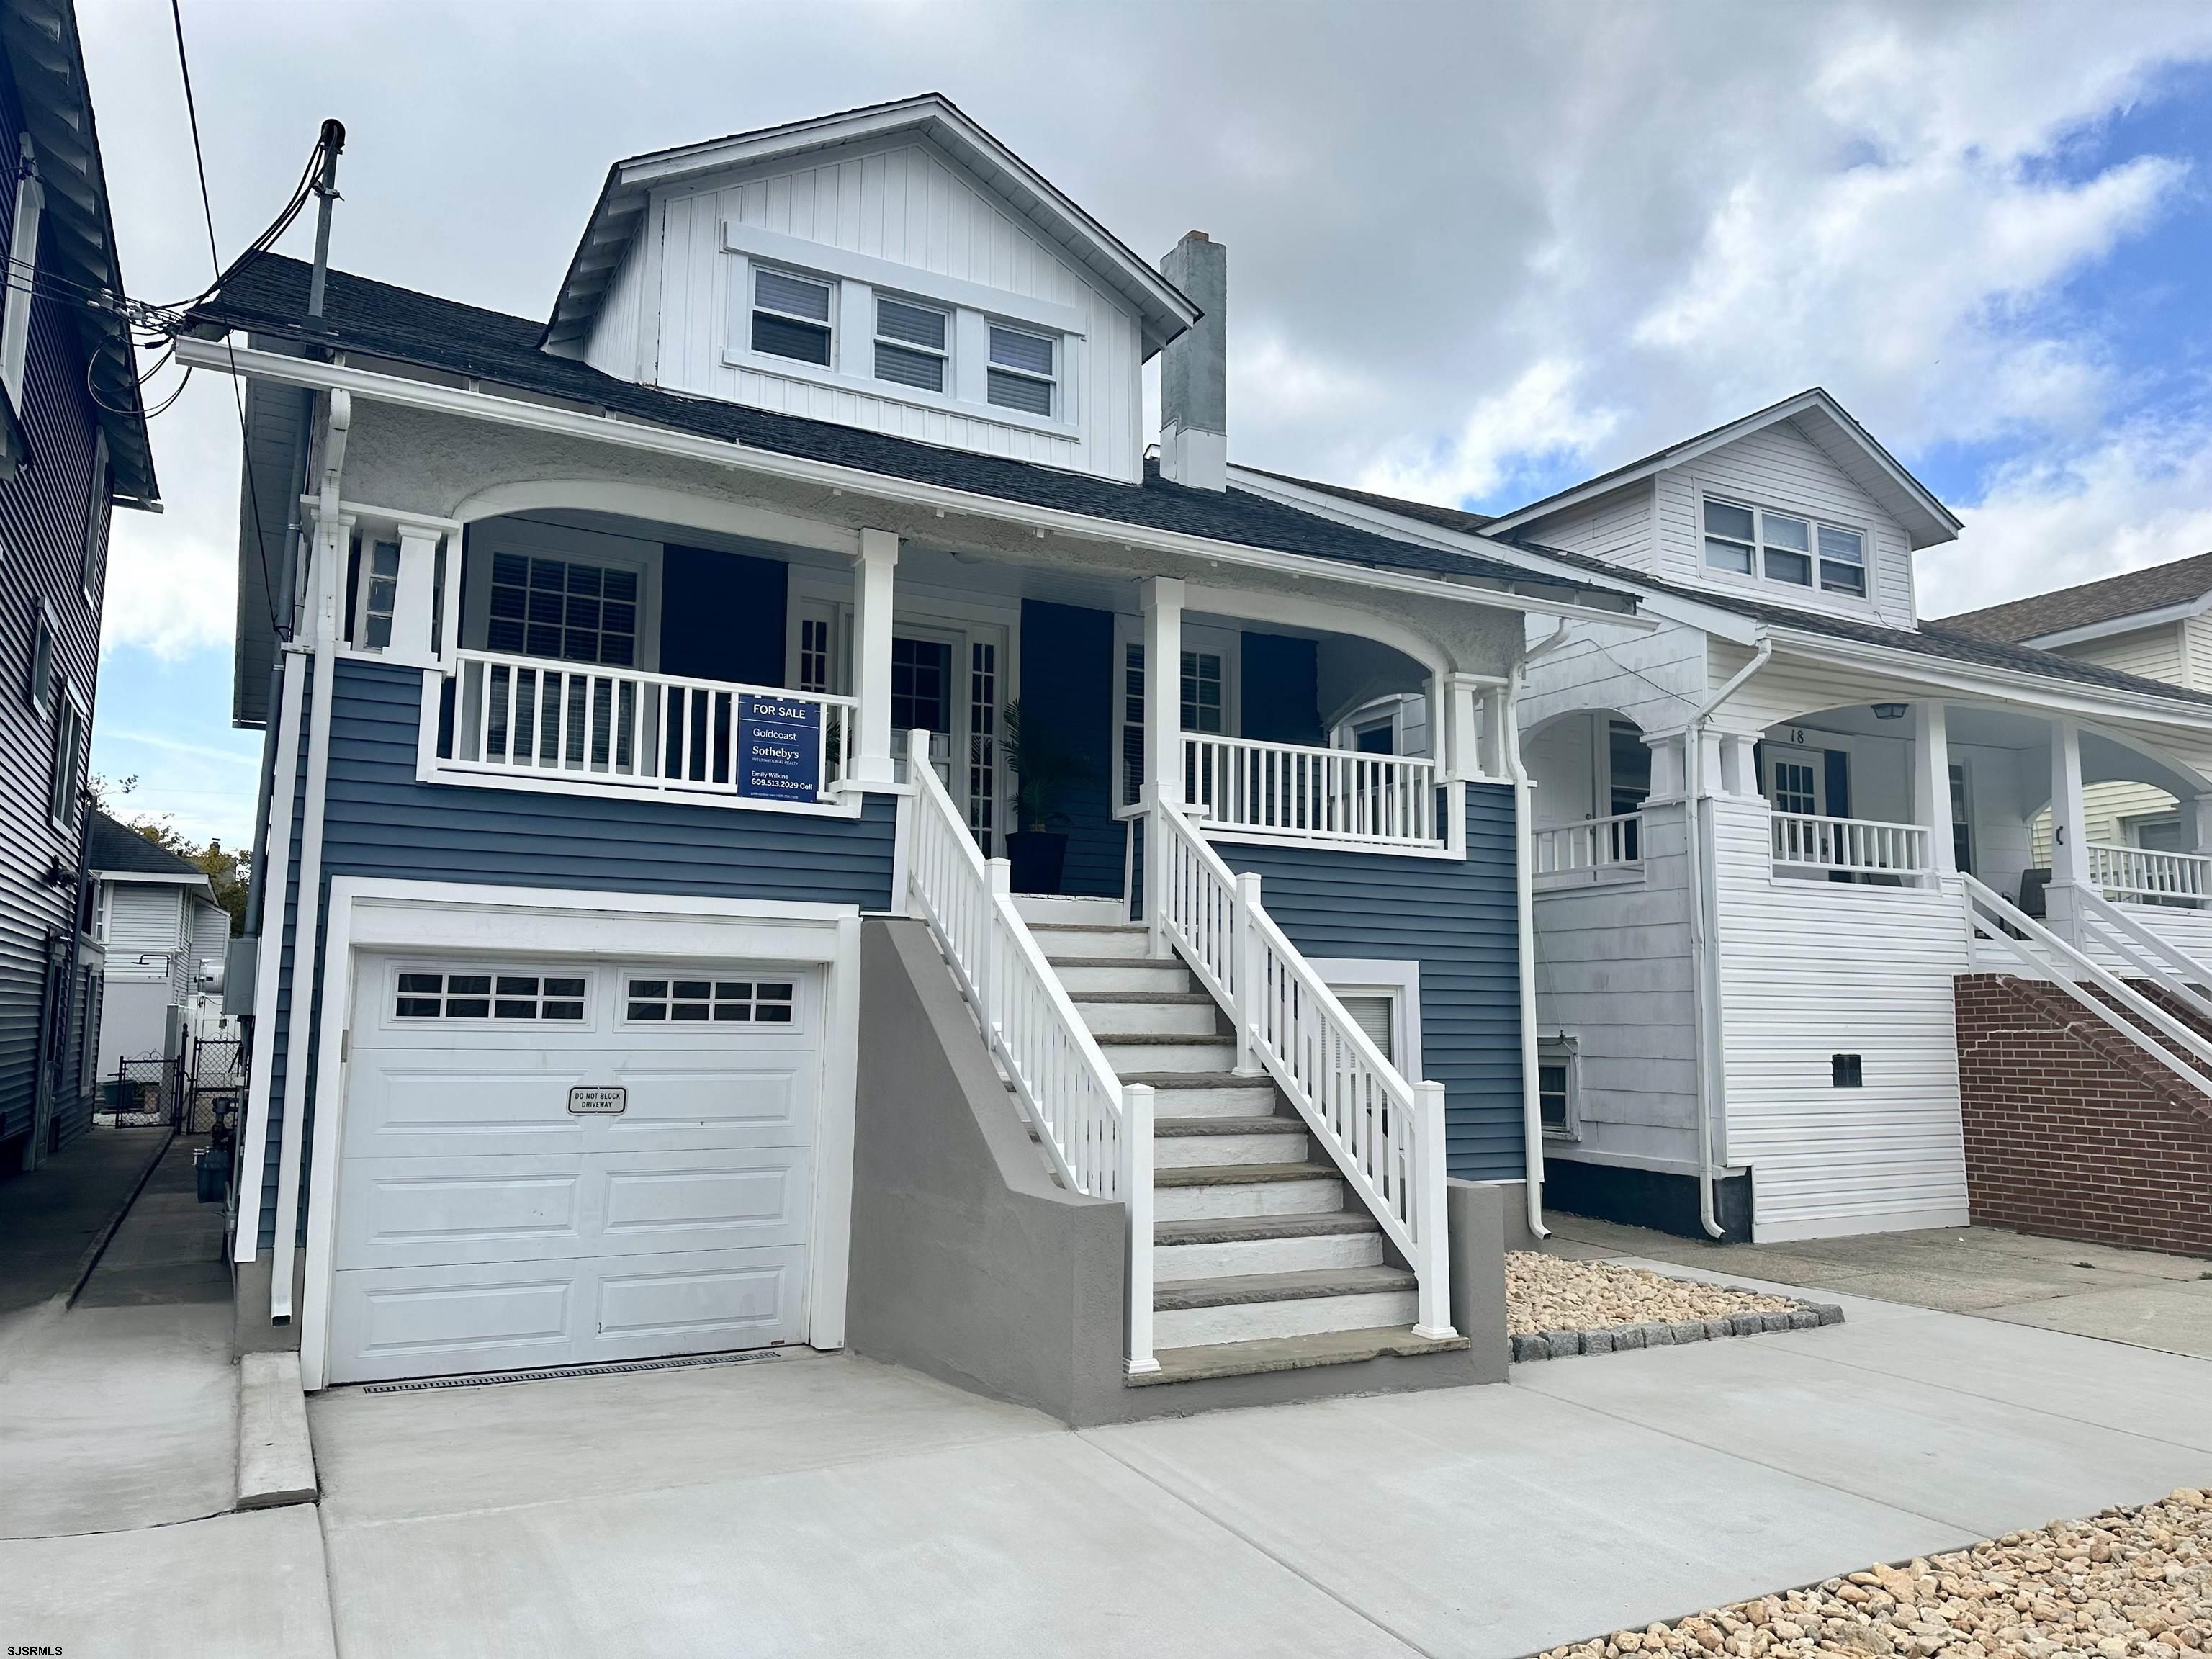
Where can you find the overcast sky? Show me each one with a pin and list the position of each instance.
(1475, 253)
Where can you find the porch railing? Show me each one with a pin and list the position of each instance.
(2139, 875)
(1855, 846)
(1590, 851)
(1385, 1135)
(1311, 795)
(629, 730)
(1095, 1129)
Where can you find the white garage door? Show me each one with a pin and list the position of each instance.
(495, 1210)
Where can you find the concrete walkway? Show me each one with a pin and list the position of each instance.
(2137, 1297)
(829, 1505)
(52, 1216)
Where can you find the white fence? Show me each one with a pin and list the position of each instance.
(634, 731)
(1589, 851)
(1385, 1135)
(1096, 1130)
(1857, 846)
(1311, 795)
(2139, 875)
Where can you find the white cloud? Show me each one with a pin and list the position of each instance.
(172, 576)
(2141, 495)
(1540, 418)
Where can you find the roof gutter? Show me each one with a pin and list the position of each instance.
(482, 406)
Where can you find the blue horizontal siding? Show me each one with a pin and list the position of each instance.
(1458, 921)
(380, 822)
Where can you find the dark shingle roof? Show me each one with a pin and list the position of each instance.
(1936, 639)
(2182, 581)
(119, 847)
(266, 294)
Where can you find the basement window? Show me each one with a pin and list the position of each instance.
(1846, 1070)
(791, 317)
(1558, 1088)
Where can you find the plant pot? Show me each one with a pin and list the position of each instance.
(1037, 857)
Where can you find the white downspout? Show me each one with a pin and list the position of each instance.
(1524, 897)
(329, 589)
(1694, 793)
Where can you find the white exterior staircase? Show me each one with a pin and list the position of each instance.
(1255, 1242)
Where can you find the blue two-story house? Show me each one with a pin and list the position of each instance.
(72, 446)
(733, 874)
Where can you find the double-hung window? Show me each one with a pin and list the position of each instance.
(1024, 370)
(791, 317)
(68, 753)
(912, 343)
(563, 608)
(379, 590)
(1783, 547)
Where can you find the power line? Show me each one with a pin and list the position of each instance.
(237, 390)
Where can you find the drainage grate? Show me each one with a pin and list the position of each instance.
(485, 1379)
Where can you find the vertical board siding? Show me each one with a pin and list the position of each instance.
(43, 512)
(1069, 684)
(380, 822)
(1809, 970)
(1458, 919)
(908, 206)
(1778, 467)
(1613, 972)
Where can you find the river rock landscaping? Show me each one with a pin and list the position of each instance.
(1555, 1307)
(2127, 1583)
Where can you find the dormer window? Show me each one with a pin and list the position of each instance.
(1022, 370)
(1782, 547)
(791, 317)
(911, 343)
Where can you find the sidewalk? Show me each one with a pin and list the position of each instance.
(2136, 1296)
(50, 1218)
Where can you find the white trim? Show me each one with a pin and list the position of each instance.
(487, 405)
(274, 881)
(777, 248)
(2136, 622)
(430, 769)
(23, 269)
(1567, 1050)
(1400, 981)
(138, 878)
(383, 915)
(672, 508)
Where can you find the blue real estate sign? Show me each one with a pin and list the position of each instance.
(779, 748)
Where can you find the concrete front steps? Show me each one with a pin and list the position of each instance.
(1261, 1261)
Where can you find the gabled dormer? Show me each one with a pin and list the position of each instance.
(1794, 505)
(893, 268)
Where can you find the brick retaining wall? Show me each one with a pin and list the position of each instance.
(2071, 1130)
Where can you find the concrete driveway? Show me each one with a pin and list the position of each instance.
(830, 1504)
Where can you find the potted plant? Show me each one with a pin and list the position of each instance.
(1043, 767)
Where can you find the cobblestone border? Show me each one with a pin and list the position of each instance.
(1613, 1339)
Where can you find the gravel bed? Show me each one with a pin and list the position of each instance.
(1548, 1293)
(2128, 1583)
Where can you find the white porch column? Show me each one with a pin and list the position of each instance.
(2069, 834)
(2197, 818)
(412, 600)
(1162, 607)
(1931, 783)
(1738, 772)
(871, 655)
(1668, 776)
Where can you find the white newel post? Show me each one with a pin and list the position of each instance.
(990, 958)
(1137, 1194)
(1431, 1231)
(2069, 834)
(1249, 973)
(1931, 785)
(412, 600)
(872, 573)
(1162, 609)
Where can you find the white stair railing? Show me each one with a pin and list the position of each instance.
(1295, 790)
(1095, 1129)
(1385, 1135)
(1589, 849)
(2047, 957)
(1860, 846)
(2139, 872)
(2140, 949)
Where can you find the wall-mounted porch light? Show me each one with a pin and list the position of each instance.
(1890, 711)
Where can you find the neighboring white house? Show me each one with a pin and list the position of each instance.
(1770, 834)
(2155, 622)
(155, 913)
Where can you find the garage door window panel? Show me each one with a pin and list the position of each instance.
(503, 997)
(710, 1001)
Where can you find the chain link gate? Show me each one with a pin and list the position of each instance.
(216, 1084)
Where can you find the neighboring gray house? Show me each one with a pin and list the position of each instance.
(155, 917)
